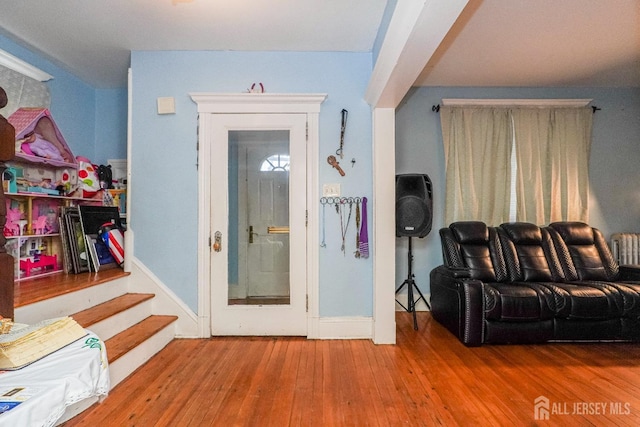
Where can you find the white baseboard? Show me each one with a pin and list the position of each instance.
(327, 328)
(165, 301)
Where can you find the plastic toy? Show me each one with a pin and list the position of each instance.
(12, 226)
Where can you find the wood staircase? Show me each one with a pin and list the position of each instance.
(102, 303)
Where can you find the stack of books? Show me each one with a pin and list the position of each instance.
(25, 344)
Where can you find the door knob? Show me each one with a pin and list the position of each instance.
(217, 241)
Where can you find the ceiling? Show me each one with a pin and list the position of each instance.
(493, 43)
(93, 38)
(540, 43)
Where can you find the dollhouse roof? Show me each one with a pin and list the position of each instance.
(27, 120)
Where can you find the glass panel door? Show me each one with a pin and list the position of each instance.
(259, 166)
(258, 196)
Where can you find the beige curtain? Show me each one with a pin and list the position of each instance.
(477, 146)
(552, 157)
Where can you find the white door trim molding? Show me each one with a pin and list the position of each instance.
(225, 103)
(281, 103)
(384, 237)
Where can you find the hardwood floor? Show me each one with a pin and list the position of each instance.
(428, 378)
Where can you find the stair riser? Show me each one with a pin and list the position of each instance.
(117, 323)
(129, 362)
(67, 304)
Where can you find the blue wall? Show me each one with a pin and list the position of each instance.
(615, 154)
(111, 125)
(93, 122)
(164, 157)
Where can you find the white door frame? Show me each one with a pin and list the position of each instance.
(249, 103)
(258, 319)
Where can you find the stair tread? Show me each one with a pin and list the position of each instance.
(128, 339)
(99, 312)
(46, 287)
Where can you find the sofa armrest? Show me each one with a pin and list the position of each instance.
(458, 273)
(629, 272)
(458, 303)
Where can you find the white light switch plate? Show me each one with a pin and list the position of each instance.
(331, 190)
(166, 105)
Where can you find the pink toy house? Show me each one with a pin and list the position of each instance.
(32, 122)
(41, 151)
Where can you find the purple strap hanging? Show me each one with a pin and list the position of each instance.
(364, 234)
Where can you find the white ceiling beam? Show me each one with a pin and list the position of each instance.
(415, 31)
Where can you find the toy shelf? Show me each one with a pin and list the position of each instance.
(29, 236)
(28, 210)
(39, 182)
(34, 255)
(26, 158)
(34, 240)
(51, 196)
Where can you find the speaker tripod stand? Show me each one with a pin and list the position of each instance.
(410, 283)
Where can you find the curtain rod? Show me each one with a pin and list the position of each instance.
(436, 108)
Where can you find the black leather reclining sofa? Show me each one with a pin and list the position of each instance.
(520, 283)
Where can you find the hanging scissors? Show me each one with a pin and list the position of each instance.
(343, 127)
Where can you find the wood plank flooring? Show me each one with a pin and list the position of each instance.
(429, 378)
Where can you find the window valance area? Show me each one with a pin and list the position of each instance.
(22, 91)
(538, 155)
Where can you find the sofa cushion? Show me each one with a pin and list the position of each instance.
(588, 253)
(626, 294)
(534, 260)
(574, 233)
(472, 245)
(478, 260)
(517, 303)
(630, 292)
(581, 301)
(470, 232)
(588, 263)
(523, 233)
(525, 253)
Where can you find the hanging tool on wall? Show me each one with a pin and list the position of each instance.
(364, 232)
(323, 202)
(333, 162)
(343, 127)
(357, 253)
(344, 222)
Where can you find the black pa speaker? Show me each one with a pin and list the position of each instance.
(414, 205)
